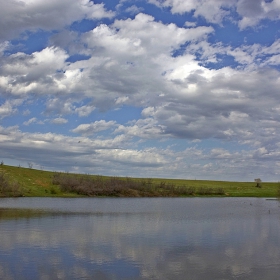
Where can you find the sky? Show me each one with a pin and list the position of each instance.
(146, 88)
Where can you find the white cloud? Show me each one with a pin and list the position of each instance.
(33, 121)
(112, 156)
(229, 99)
(30, 121)
(59, 121)
(133, 10)
(164, 70)
(4, 46)
(144, 158)
(253, 11)
(85, 110)
(212, 10)
(9, 108)
(215, 11)
(26, 112)
(59, 106)
(218, 153)
(138, 47)
(144, 33)
(179, 96)
(18, 16)
(107, 156)
(148, 112)
(36, 73)
(144, 128)
(190, 24)
(97, 126)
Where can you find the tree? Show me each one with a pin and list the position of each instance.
(258, 181)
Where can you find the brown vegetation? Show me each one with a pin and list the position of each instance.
(125, 187)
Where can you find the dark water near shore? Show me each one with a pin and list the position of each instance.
(139, 238)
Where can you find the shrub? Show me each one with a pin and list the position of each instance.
(116, 186)
(53, 190)
(205, 191)
(4, 184)
(8, 187)
(220, 191)
(258, 181)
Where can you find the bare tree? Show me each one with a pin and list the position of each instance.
(30, 165)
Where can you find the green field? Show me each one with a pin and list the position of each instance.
(38, 183)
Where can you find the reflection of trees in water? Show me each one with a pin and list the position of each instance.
(11, 213)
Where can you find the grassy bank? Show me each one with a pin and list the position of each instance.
(18, 181)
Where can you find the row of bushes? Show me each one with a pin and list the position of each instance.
(126, 187)
(8, 187)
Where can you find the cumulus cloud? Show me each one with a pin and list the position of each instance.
(145, 158)
(250, 11)
(112, 156)
(4, 46)
(60, 106)
(33, 121)
(59, 121)
(18, 16)
(85, 110)
(107, 154)
(138, 47)
(134, 10)
(213, 11)
(176, 77)
(209, 107)
(36, 73)
(26, 112)
(9, 108)
(190, 24)
(143, 128)
(196, 102)
(97, 126)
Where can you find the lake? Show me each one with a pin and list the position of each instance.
(139, 238)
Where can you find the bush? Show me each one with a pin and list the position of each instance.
(205, 191)
(53, 190)
(258, 181)
(115, 186)
(220, 191)
(4, 184)
(8, 187)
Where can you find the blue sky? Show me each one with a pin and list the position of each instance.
(155, 88)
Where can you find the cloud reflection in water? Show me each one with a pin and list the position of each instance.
(145, 239)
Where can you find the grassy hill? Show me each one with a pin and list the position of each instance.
(19, 181)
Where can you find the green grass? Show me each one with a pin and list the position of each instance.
(34, 183)
(38, 183)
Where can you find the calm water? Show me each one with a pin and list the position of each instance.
(145, 238)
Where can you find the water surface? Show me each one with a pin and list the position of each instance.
(139, 238)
